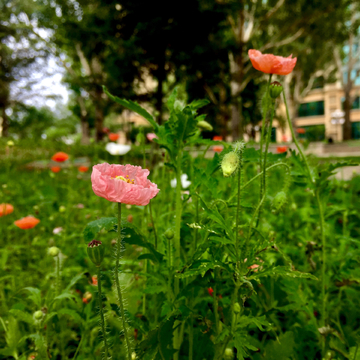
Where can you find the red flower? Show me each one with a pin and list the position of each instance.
(94, 280)
(218, 148)
(217, 138)
(113, 136)
(281, 149)
(210, 291)
(83, 169)
(55, 169)
(300, 131)
(85, 301)
(27, 222)
(130, 218)
(60, 157)
(271, 64)
(6, 209)
(105, 130)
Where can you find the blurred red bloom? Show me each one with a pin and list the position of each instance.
(105, 130)
(85, 300)
(217, 138)
(27, 222)
(254, 267)
(113, 136)
(271, 64)
(281, 149)
(55, 169)
(6, 209)
(94, 280)
(210, 291)
(300, 130)
(60, 157)
(135, 334)
(83, 169)
(218, 148)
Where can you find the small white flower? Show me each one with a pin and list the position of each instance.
(57, 230)
(117, 149)
(184, 182)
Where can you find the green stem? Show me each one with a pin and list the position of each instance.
(323, 267)
(196, 220)
(356, 350)
(153, 225)
(191, 339)
(263, 131)
(79, 346)
(102, 319)
(58, 275)
(117, 283)
(238, 218)
(295, 140)
(267, 148)
(216, 303)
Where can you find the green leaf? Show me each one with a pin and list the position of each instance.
(93, 227)
(197, 104)
(148, 257)
(282, 349)
(65, 295)
(133, 106)
(35, 295)
(282, 271)
(75, 315)
(73, 281)
(22, 316)
(197, 268)
(171, 99)
(260, 322)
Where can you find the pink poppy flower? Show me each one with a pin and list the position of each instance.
(271, 64)
(126, 184)
(151, 136)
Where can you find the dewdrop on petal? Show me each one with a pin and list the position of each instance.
(230, 163)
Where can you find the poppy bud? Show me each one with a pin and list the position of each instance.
(96, 252)
(229, 354)
(62, 208)
(204, 125)
(169, 234)
(38, 315)
(278, 202)
(54, 251)
(275, 89)
(237, 308)
(10, 143)
(230, 163)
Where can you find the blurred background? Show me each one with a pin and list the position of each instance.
(55, 55)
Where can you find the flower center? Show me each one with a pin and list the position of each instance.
(126, 179)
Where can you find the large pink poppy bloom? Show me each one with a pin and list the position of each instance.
(272, 64)
(126, 184)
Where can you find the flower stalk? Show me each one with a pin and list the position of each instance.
(102, 318)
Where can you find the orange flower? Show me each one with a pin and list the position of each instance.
(300, 130)
(281, 149)
(218, 148)
(55, 169)
(27, 222)
(217, 138)
(83, 168)
(60, 157)
(94, 280)
(113, 136)
(272, 64)
(6, 209)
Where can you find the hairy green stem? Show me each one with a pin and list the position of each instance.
(265, 110)
(216, 303)
(117, 283)
(58, 275)
(102, 319)
(153, 225)
(238, 217)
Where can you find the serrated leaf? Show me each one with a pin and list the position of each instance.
(133, 106)
(199, 267)
(197, 104)
(75, 315)
(35, 295)
(22, 316)
(260, 322)
(94, 227)
(282, 271)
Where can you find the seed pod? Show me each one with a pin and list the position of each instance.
(53, 251)
(230, 163)
(204, 125)
(96, 252)
(279, 201)
(275, 89)
(237, 308)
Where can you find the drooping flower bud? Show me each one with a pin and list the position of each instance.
(96, 252)
(53, 251)
(237, 308)
(275, 89)
(169, 233)
(204, 125)
(38, 315)
(229, 354)
(279, 201)
(230, 163)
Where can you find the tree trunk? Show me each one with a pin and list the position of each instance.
(347, 134)
(160, 75)
(5, 122)
(99, 115)
(85, 131)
